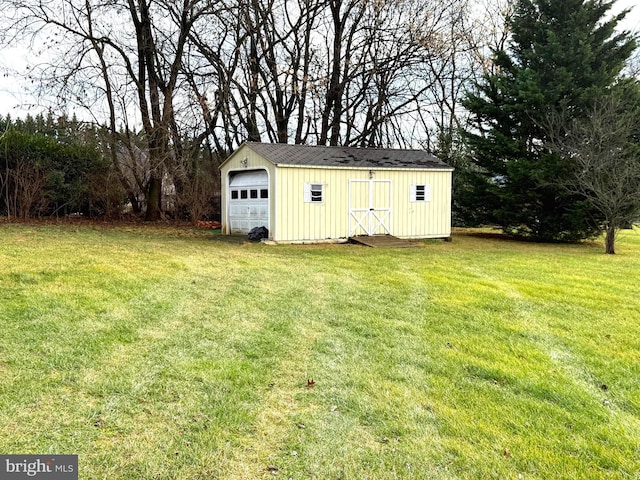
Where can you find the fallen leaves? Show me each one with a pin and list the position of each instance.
(208, 225)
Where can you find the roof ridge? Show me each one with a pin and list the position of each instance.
(337, 156)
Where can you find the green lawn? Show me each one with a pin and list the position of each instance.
(158, 353)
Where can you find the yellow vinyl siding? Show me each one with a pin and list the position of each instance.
(300, 220)
(423, 219)
(297, 220)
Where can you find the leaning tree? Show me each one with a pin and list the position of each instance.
(561, 56)
(605, 148)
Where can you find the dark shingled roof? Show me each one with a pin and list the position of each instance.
(316, 155)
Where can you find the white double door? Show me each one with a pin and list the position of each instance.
(369, 207)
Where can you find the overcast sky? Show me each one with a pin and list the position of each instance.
(632, 22)
(13, 97)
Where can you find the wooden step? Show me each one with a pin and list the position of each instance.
(388, 241)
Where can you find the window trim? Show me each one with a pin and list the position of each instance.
(314, 192)
(421, 192)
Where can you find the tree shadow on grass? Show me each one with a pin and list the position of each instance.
(500, 236)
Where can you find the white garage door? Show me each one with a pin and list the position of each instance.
(248, 201)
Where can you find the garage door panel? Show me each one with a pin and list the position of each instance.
(255, 210)
(235, 210)
(246, 207)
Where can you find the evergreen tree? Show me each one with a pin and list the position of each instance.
(43, 172)
(563, 54)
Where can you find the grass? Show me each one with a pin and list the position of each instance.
(172, 354)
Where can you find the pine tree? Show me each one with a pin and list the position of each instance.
(563, 54)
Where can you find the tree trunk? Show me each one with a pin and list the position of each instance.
(135, 204)
(610, 240)
(333, 100)
(153, 199)
(253, 132)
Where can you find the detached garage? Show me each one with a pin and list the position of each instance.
(317, 193)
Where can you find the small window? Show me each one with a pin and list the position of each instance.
(316, 192)
(244, 194)
(313, 193)
(264, 193)
(254, 193)
(234, 194)
(420, 193)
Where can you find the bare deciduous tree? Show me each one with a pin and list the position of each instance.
(332, 72)
(605, 151)
(122, 56)
(174, 81)
(25, 189)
